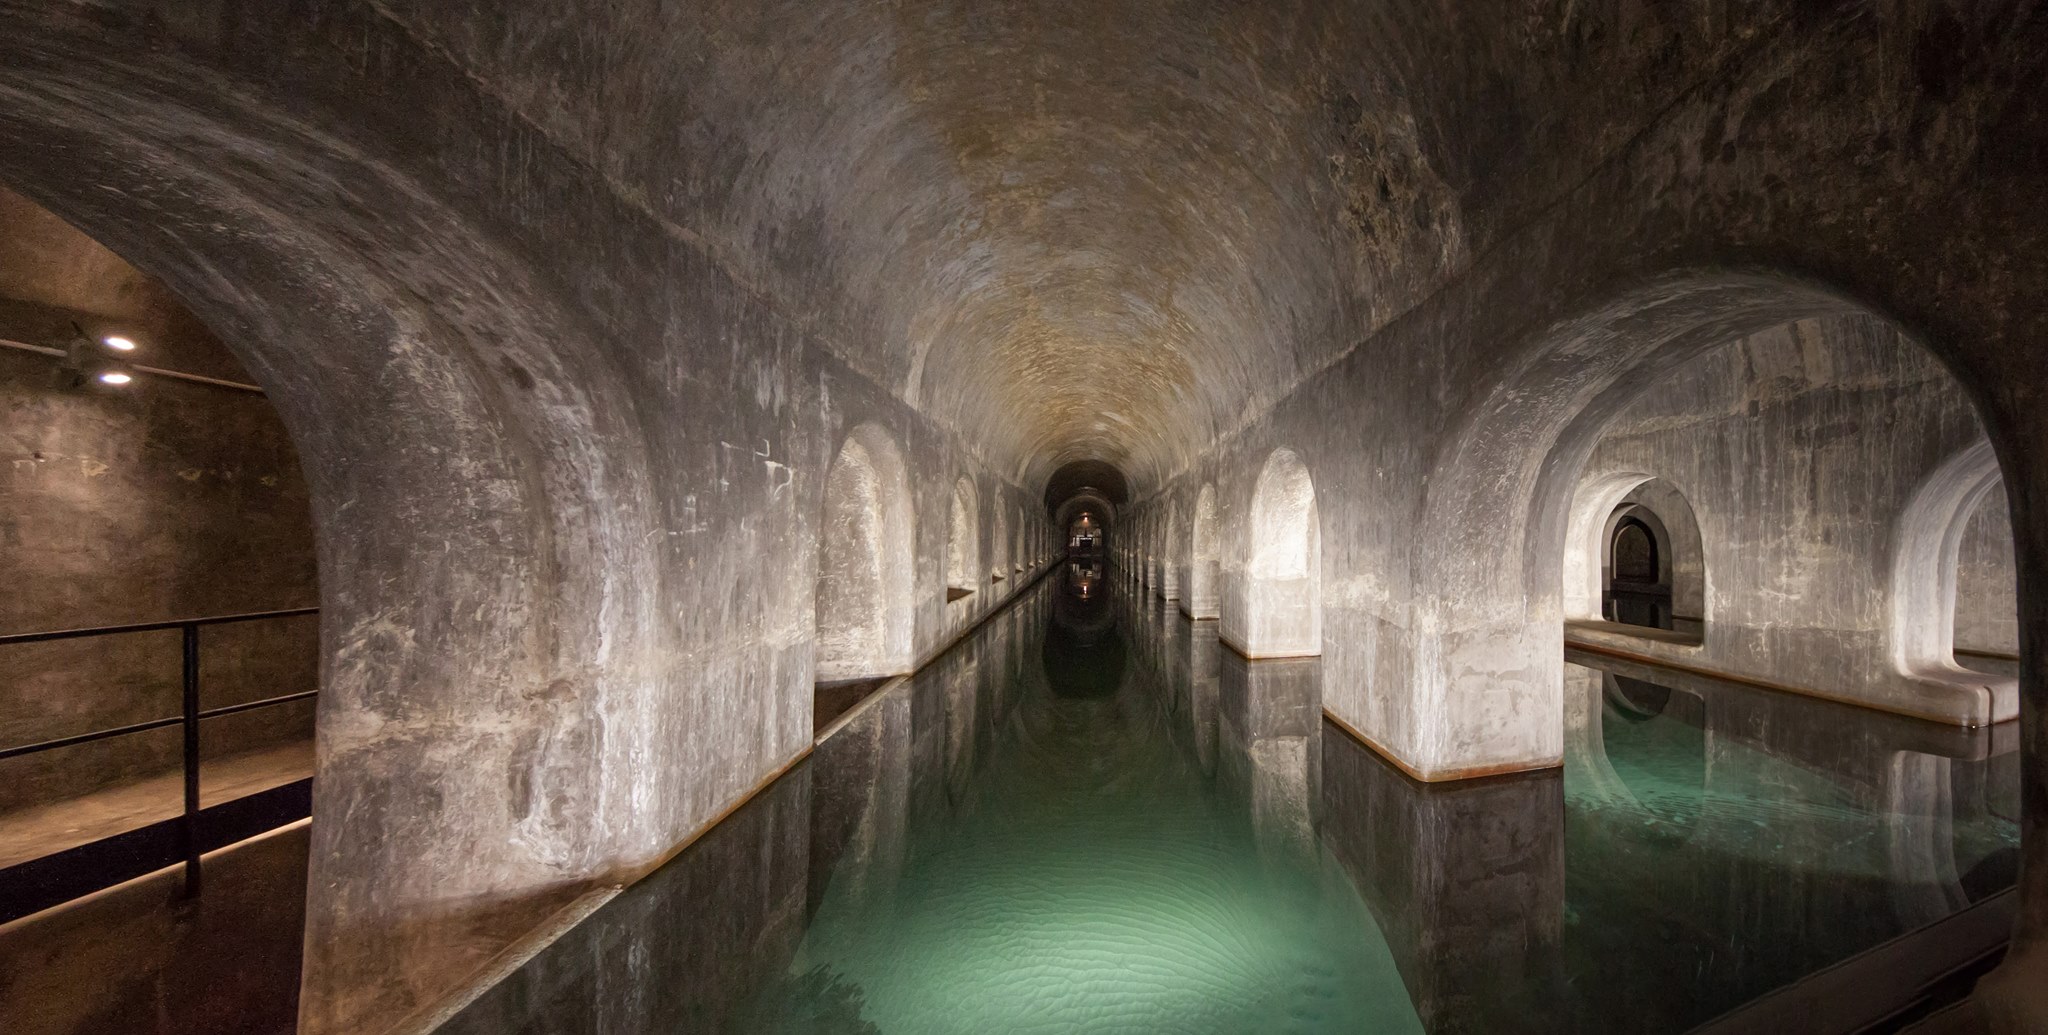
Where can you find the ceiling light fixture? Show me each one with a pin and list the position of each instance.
(118, 343)
(115, 377)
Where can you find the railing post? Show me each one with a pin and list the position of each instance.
(188, 829)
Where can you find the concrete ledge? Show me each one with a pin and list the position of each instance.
(1479, 772)
(1239, 649)
(1997, 694)
(1599, 629)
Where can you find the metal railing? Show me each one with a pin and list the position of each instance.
(190, 844)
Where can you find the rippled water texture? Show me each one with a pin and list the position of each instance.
(1090, 817)
(1088, 876)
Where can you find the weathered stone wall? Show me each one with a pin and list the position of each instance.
(1800, 450)
(156, 500)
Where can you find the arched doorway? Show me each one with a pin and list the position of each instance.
(1275, 608)
(1634, 555)
(864, 562)
(963, 545)
(1169, 559)
(1927, 571)
(1199, 599)
(998, 544)
(1638, 569)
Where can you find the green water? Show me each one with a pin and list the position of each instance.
(1088, 876)
(1091, 817)
(1723, 855)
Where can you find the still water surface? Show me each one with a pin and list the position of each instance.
(1090, 817)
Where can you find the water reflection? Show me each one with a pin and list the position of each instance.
(1090, 816)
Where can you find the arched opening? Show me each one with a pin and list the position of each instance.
(1085, 535)
(1987, 621)
(998, 544)
(1275, 608)
(1638, 557)
(151, 485)
(1200, 598)
(963, 545)
(1482, 612)
(1021, 556)
(1803, 515)
(1169, 559)
(1634, 556)
(1927, 578)
(432, 377)
(864, 562)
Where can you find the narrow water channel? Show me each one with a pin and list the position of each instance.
(1091, 817)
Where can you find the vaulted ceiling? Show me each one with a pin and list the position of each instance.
(1103, 232)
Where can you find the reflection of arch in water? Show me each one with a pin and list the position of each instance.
(1203, 673)
(1627, 749)
(860, 804)
(962, 684)
(1275, 608)
(1083, 654)
(1762, 750)
(1082, 663)
(1269, 744)
(865, 574)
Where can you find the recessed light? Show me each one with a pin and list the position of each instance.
(119, 343)
(115, 377)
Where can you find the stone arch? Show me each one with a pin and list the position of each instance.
(1987, 586)
(1927, 544)
(1115, 540)
(998, 542)
(963, 543)
(1638, 547)
(1169, 556)
(865, 575)
(1275, 608)
(1199, 598)
(410, 336)
(1020, 548)
(1485, 626)
(1598, 510)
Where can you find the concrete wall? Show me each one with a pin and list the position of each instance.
(155, 500)
(1987, 618)
(1800, 450)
